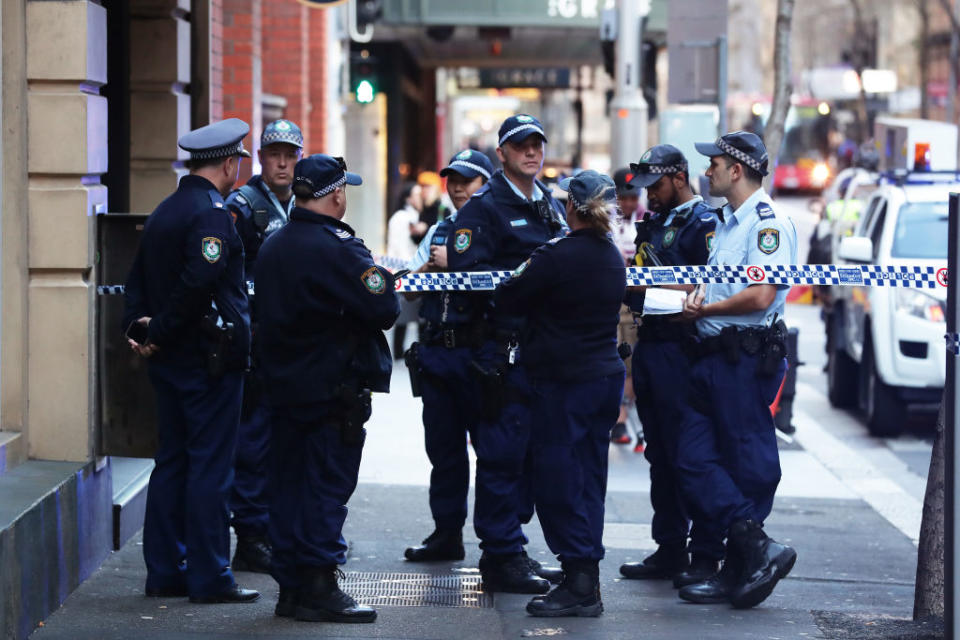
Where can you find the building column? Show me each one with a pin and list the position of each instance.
(242, 71)
(286, 54)
(66, 155)
(320, 81)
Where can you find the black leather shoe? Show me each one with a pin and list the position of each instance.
(321, 599)
(235, 594)
(577, 595)
(287, 602)
(699, 570)
(662, 564)
(252, 554)
(166, 592)
(765, 562)
(439, 545)
(510, 574)
(550, 574)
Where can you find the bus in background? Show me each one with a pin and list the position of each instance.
(803, 163)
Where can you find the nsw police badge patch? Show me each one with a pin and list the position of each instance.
(768, 240)
(462, 240)
(373, 281)
(710, 238)
(211, 249)
(669, 237)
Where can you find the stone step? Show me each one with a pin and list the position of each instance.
(12, 450)
(130, 478)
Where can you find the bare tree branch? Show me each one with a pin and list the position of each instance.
(773, 132)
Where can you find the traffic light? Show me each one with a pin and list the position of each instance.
(364, 80)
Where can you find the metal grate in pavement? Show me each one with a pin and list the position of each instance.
(385, 588)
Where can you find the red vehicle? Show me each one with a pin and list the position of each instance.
(802, 163)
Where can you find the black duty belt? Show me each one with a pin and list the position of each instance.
(663, 331)
(452, 337)
(732, 340)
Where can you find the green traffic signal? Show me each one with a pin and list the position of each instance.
(365, 92)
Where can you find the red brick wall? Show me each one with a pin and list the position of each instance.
(286, 57)
(242, 53)
(318, 82)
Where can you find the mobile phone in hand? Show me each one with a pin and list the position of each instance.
(137, 332)
(400, 274)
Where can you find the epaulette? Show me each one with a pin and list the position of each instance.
(343, 234)
(482, 190)
(555, 240)
(215, 198)
(765, 211)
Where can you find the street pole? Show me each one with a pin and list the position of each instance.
(628, 109)
(951, 428)
(722, 84)
(952, 88)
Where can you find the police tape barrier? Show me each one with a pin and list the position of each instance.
(911, 276)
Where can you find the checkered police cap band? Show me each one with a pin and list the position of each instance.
(739, 155)
(660, 168)
(327, 189)
(219, 152)
(281, 136)
(509, 133)
(470, 165)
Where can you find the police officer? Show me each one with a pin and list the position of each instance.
(260, 207)
(323, 305)
(570, 291)
(440, 365)
(186, 295)
(682, 229)
(497, 229)
(728, 459)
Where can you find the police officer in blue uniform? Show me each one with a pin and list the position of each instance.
(260, 207)
(570, 291)
(498, 228)
(323, 305)
(440, 373)
(728, 459)
(679, 233)
(186, 310)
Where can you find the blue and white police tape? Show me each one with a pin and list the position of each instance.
(912, 276)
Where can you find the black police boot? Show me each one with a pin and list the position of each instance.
(662, 564)
(252, 554)
(550, 574)
(439, 545)
(234, 595)
(287, 602)
(765, 562)
(699, 570)
(321, 599)
(510, 574)
(719, 587)
(577, 595)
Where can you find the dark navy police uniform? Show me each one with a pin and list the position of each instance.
(188, 278)
(323, 305)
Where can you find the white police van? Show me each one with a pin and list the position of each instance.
(885, 346)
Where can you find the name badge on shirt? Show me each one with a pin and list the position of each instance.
(521, 222)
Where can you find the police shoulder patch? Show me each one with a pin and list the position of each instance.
(211, 248)
(523, 267)
(669, 237)
(373, 281)
(765, 211)
(711, 236)
(462, 240)
(768, 240)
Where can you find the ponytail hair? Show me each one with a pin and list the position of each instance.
(598, 210)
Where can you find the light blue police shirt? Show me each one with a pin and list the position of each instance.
(423, 250)
(754, 234)
(680, 209)
(537, 191)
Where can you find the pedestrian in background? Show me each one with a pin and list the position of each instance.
(404, 230)
(570, 291)
(186, 311)
(323, 305)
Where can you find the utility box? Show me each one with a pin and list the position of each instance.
(915, 145)
(128, 407)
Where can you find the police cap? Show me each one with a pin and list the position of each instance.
(216, 140)
(323, 173)
(518, 128)
(469, 163)
(622, 178)
(742, 146)
(281, 131)
(657, 162)
(589, 184)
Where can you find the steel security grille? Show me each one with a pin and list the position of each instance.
(384, 588)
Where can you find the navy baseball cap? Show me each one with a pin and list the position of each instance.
(742, 146)
(622, 178)
(589, 184)
(281, 131)
(518, 128)
(216, 140)
(323, 174)
(469, 163)
(655, 163)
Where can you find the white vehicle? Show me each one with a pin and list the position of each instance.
(885, 347)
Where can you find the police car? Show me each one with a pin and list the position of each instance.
(885, 347)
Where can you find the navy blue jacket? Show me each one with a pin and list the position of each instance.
(190, 265)
(323, 305)
(570, 290)
(496, 230)
(256, 216)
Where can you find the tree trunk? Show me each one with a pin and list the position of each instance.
(928, 597)
(783, 87)
(924, 57)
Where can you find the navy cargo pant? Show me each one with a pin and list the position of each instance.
(570, 442)
(728, 459)
(248, 500)
(313, 473)
(448, 390)
(661, 373)
(503, 496)
(186, 536)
